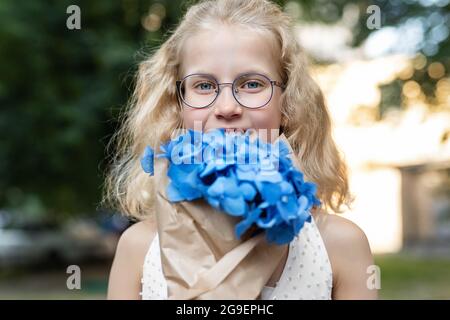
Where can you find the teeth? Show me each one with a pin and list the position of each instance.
(251, 132)
(234, 130)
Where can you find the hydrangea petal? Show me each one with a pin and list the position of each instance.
(270, 192)
(280, 234)
(246, 223)
(173, 194)
(247, 190)
(234, 206)
(147, 160)
(287, 207)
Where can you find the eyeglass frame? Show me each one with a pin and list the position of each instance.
(272, 82)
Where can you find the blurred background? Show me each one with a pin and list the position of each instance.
(384, 69)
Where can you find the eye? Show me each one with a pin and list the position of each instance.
(205, 86)
(252, 85)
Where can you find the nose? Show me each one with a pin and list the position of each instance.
(226, 106)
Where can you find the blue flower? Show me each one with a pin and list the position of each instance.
(185, 183)
(254, 180)
(225, 194)
(248, 221)
(147, 160)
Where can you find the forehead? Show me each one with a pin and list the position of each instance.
(229, 51)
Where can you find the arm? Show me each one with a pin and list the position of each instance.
(350, 256)
(126, 271)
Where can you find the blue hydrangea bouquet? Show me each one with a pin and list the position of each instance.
(241, 176)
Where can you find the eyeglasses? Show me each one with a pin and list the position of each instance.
(251, 90)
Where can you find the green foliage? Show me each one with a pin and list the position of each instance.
(59, 91)
(434, 19)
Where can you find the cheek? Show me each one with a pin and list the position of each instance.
(191, 116)
(268, 117)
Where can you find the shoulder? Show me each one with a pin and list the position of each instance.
(126, 270)
(135, 242)
(137, 238)
(349, 254)
(339, 232)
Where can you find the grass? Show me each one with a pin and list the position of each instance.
(51, 283)
(413, 277)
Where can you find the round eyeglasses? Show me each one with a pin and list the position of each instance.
(251, 90)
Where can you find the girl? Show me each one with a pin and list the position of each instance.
(226, 45)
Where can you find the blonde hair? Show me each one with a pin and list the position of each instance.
(154, 113)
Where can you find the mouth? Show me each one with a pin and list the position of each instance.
(230, 129)
(236, 130)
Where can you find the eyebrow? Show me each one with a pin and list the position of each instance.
(253, 70)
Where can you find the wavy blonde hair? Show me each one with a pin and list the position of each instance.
(154, 112)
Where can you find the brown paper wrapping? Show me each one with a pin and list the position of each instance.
(200, 254)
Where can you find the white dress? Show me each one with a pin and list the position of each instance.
(307, 274)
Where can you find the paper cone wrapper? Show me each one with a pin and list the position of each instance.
(200, 254)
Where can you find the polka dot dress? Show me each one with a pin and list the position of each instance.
(154, 285)
(307, 274)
